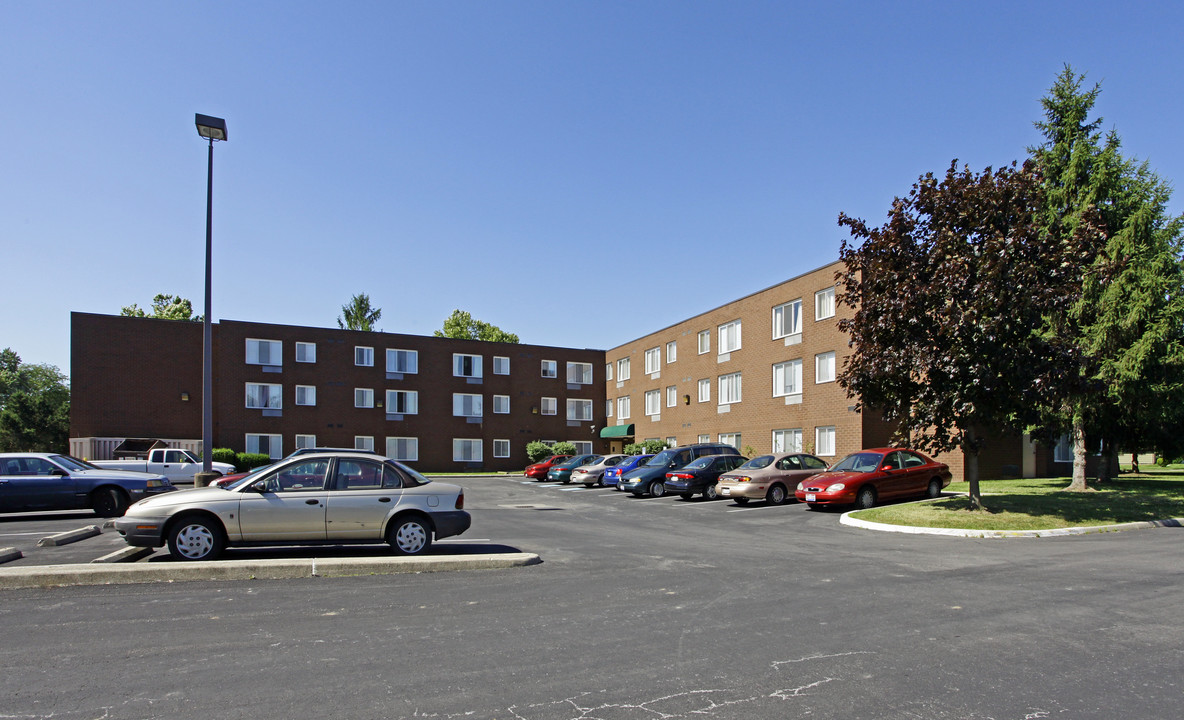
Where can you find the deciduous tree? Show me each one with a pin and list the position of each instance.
(34, 406)
(462, 326)
(165, 307)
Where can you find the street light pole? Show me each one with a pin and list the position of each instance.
(212, 129)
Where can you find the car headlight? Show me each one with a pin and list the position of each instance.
(802, 486)
(837, 487)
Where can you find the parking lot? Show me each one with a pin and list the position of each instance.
(642, 608)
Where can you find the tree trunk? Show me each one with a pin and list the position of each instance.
(971, 470)
(1078, 451)
(1135, 463)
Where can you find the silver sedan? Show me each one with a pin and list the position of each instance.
(593, 473)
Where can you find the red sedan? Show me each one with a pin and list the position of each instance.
(538, 471)
(864, 478)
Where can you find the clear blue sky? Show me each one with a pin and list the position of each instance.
(580, 173)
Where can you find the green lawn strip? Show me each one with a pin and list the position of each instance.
(1043, 504)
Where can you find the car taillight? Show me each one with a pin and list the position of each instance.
(741, 479)
(460, 500)
(679, 476)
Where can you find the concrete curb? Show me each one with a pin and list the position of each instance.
(127, 554)
(105, 574)
(69, 537)
(846, 519)
(10, 554)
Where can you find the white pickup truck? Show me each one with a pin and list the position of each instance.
(177, 465)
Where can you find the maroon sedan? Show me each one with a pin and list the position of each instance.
(868, 476)
(538, 471)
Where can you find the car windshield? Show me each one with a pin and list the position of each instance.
(858, 462)
(73, 463)
(700, 463)
(662, 459)
(757, 463)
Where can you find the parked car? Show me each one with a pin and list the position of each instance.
(869, 476)
(561, 472)
(700, 475)
(175, 464)
(46, 481)
(538, 471)
(772, 478)
(227, 480)
(322, 498)
(614, 473)
(592, 473)
(651, 477)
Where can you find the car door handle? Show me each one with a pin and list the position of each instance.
(384, 499)
(312, 502)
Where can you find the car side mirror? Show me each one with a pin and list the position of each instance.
(259, 487)
(887, 468)
(59, 472)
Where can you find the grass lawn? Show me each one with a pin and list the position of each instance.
(1044, 504)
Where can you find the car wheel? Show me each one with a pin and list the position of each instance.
(196, 538)
(776, 495)
(600, 480)
(686, 496)
(658, 489)
(934, 489)
(410, 536)
(865, 499)
(109, 502)
(710, 493)
(566, 480)
(741, 501)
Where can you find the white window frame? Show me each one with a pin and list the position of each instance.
(475, 402)
(501, 404)
(824, 304)
(1062, 452)
(704, 342)
(824, 367)
(275, 347)
(705, 390)
(363, 356)
(363, 397)
(548, 406)
(671, 395)
(473, 363)
(732, 439)
(549, 369)
(579, 373)
(608, 408)
(704, 438)
(309, 352)
(623, 371)
(272, 400)
(653, 402)
(364, 442)
(608, 371)
(789, 440)
(671, 351)
(410, 399)
(467, 450)
(730, 389)
(306, 441)
(275, 444)
(409, 443)
(501, 448)
(787, 378)
(729, 337)
(583, 447)
(579, 410)
(787, 319)
(623, 409)
(409, 364)
(653, 360)
(309, 393)
(501, 365)
(824, 441)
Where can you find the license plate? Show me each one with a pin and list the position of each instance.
(725, 491)
(809, 497)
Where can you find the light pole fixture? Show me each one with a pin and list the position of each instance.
(212, 129)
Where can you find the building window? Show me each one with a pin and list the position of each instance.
(1062, 452)
(704, 439)
(623, 369)
(363, 356)
(402, 448)
(704, 390)
(265, 396)
(729, 389)
(306, 441)
(363, 397)
(732, 439)
(824, 304)
(653, 360)
(729, 337)
(787, 441)
(269, 445)
(402, 402)
(824, 441)
(579, 410)
(264, 352)
(467, 366)
(787, 378)
(671, 395)
(501, 365)
(704, 341)
(306, 395)
(550, 369)
(466, 450)
(579, 373)
(608, 371)
(623, 408)
(671, 442)
(824, 367)
(306, 352)
(402, 361)
(501, 448)
(465, 405)
(583, 447)
(501, 404)
(364, 442)
(653, 402)
(671, 351)
(608, 408)
(549, 406)
(787, 319)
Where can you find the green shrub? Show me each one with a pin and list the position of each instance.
(246, 461)
(653, 447)
(537, 451)
(563, 448)
(225, 455)
(634, 449)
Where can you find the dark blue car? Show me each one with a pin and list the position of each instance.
(47, 481)
(613, 474)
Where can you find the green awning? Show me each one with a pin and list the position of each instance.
(617, 431)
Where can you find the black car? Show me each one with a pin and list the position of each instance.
(651, 477)
(700, 475)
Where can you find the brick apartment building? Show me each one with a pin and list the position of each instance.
(758, 373)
